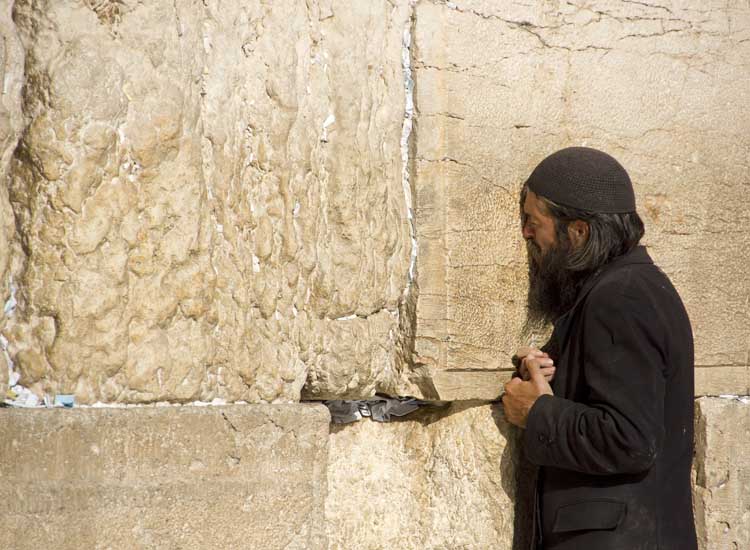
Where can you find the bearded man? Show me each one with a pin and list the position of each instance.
(613, 432)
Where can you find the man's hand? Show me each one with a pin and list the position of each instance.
(520, 395)
(546, 363)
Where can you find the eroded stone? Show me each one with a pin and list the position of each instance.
(11, 124)
(722, 473)
(251, 476)
(654, 85)
(210, 200)
(437, 479)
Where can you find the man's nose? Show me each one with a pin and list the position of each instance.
(527, 232)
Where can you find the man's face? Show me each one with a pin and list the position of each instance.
(552, 285)
(538, 227)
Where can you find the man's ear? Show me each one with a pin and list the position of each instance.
(578, 232)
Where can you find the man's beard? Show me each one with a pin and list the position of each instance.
(553, 287)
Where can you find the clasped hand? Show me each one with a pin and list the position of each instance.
(535, 373)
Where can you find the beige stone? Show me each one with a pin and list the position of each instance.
(11, 124)
(501, 85)
(440, 479)
(722, 473)
(211, 200)
(211, 197)
(469, 385)
(249, 476)
(722, 380)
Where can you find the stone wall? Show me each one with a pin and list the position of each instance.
(248, 476)
(499, 85)
(277, 476)
(721, 468)
(208, 199)
(234, 200)
(439, 479)
(227, 200)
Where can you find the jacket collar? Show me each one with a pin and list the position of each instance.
(638, 255)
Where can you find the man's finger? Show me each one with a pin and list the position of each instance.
(542, 360)
(523, 351)
(535, 371)
(510, 383)
(537, 376)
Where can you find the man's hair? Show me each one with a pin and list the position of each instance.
(610, 235)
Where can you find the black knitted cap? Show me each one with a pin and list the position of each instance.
(584, 178)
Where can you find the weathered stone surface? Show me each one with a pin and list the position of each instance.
(11, 123)
(435, 480)
(722, 380)
(210, 199)
(250, 476)
(470, 385)
(500, 85)
(722, 473)
(219, 211)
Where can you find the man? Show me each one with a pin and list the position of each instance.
(613, 432)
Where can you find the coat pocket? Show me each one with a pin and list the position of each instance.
(589, 515)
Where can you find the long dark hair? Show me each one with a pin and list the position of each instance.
(610, 235)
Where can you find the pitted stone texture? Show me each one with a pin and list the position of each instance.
(11, 125)
(249, 476)
(658, 85)
(210, 200)
(435, 480)
(722, 473)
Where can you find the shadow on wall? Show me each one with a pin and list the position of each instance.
(517, 480)
(517, 475)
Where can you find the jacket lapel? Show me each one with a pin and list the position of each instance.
(563, 325)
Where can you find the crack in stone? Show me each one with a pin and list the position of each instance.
(650, 35)
(445, 114)
(406, 142)
(655, 6)
(365, 316)
(231, 425)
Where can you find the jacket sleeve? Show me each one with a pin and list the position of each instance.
(619, 426)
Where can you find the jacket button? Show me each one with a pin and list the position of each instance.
(541, 438)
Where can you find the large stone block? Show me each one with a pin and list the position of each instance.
(440, 479)
(500, 85)
(722, 473)
(11, 124)
(210, 199)
(248, 476)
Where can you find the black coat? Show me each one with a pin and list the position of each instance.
(615, 442)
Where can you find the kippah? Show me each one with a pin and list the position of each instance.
(584, 178)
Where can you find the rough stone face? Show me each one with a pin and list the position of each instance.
(722, 473)
(11, 123)
(210, 200)
(500, 85)
(248, 476)
(435, 480)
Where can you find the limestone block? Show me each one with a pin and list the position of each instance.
(211, 202)
(722, 380)
(722, 473)
(500, 85)
(435, 480)
(249, 476)
(3, 375)
(470, 385)
(11, 124)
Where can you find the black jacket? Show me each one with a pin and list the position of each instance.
(615, 442)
